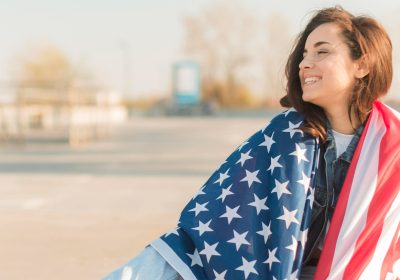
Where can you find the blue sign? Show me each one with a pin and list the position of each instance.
(186, 82)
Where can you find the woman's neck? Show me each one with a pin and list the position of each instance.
(340, 121)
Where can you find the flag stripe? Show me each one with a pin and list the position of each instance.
(365, 223)
(392, 255)
(369, 248)
(325, 262)
(361, 194)
(384, 242)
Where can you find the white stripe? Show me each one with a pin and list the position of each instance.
(361, 194)
(392, 219)
(172, 258)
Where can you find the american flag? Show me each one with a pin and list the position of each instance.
(250, 219)
(364, 238)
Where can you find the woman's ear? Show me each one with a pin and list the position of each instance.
(362, 68)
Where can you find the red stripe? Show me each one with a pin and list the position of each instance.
(386, 191)
(392, 255)
(325, 261)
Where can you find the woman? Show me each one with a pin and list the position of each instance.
(318, 187)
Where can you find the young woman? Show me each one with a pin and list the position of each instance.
(315, 194)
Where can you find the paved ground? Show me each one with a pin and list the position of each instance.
(78, 214)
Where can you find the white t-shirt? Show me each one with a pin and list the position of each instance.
(342, 141)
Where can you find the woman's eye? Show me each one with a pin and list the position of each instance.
(322, 52)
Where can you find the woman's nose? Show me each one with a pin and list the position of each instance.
(305, 63)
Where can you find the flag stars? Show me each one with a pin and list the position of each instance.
(195, 258)
(173, 231)
(289, 111)
(199, 208)
(244, 157)
(209, 250)
(293, 246)
(268, 142)
(292, 129)
(225, 193)
(231, 213)
(247, 267)
(259, 204)
(251, 177)
(242, 145)
(303, 238)
(271, 258)
(289, 217)
(203, 227)
(300, 154)
(222, 177)
(274, 163)
(219, 276)
(239, 239)
(265, 232)
(311, 196)
(280, 188)
(305, 181)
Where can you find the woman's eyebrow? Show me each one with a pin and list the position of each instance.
(317, 44)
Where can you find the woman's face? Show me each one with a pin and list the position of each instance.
(327, 72)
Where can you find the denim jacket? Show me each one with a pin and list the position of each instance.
(331, 174)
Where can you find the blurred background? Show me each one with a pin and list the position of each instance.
(114, 113)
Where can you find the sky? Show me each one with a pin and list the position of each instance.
(145, 36)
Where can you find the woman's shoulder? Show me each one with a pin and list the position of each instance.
(284, 126)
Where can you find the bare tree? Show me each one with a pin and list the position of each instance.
(223, 38)
(276, 49)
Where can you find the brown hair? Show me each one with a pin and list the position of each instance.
(365, 37)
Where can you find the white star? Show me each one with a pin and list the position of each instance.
(265, 127)
(225, 193)
(300, 154)
(268, 141)
(292, 129)
(209, 251)
(311, 197)
(200, 192)
(243, 144)
(220, 276)
(293, 276)
(293, 246)
(239, 239)
(222, 177)
(231, 213)
(289, 217)
(259, 203)
(247, 267)
(173, 231)
(199, 208)
(244, 157)
(265, 232)
(289, 111)
(305, 181)
(303, 237)
(274, 163)
(271, 258)
(281, 188)
(195, 257)
(203, 227)
(251, 177)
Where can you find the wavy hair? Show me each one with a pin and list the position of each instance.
(364, 37)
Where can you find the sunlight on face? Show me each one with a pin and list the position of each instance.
(327, 72)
